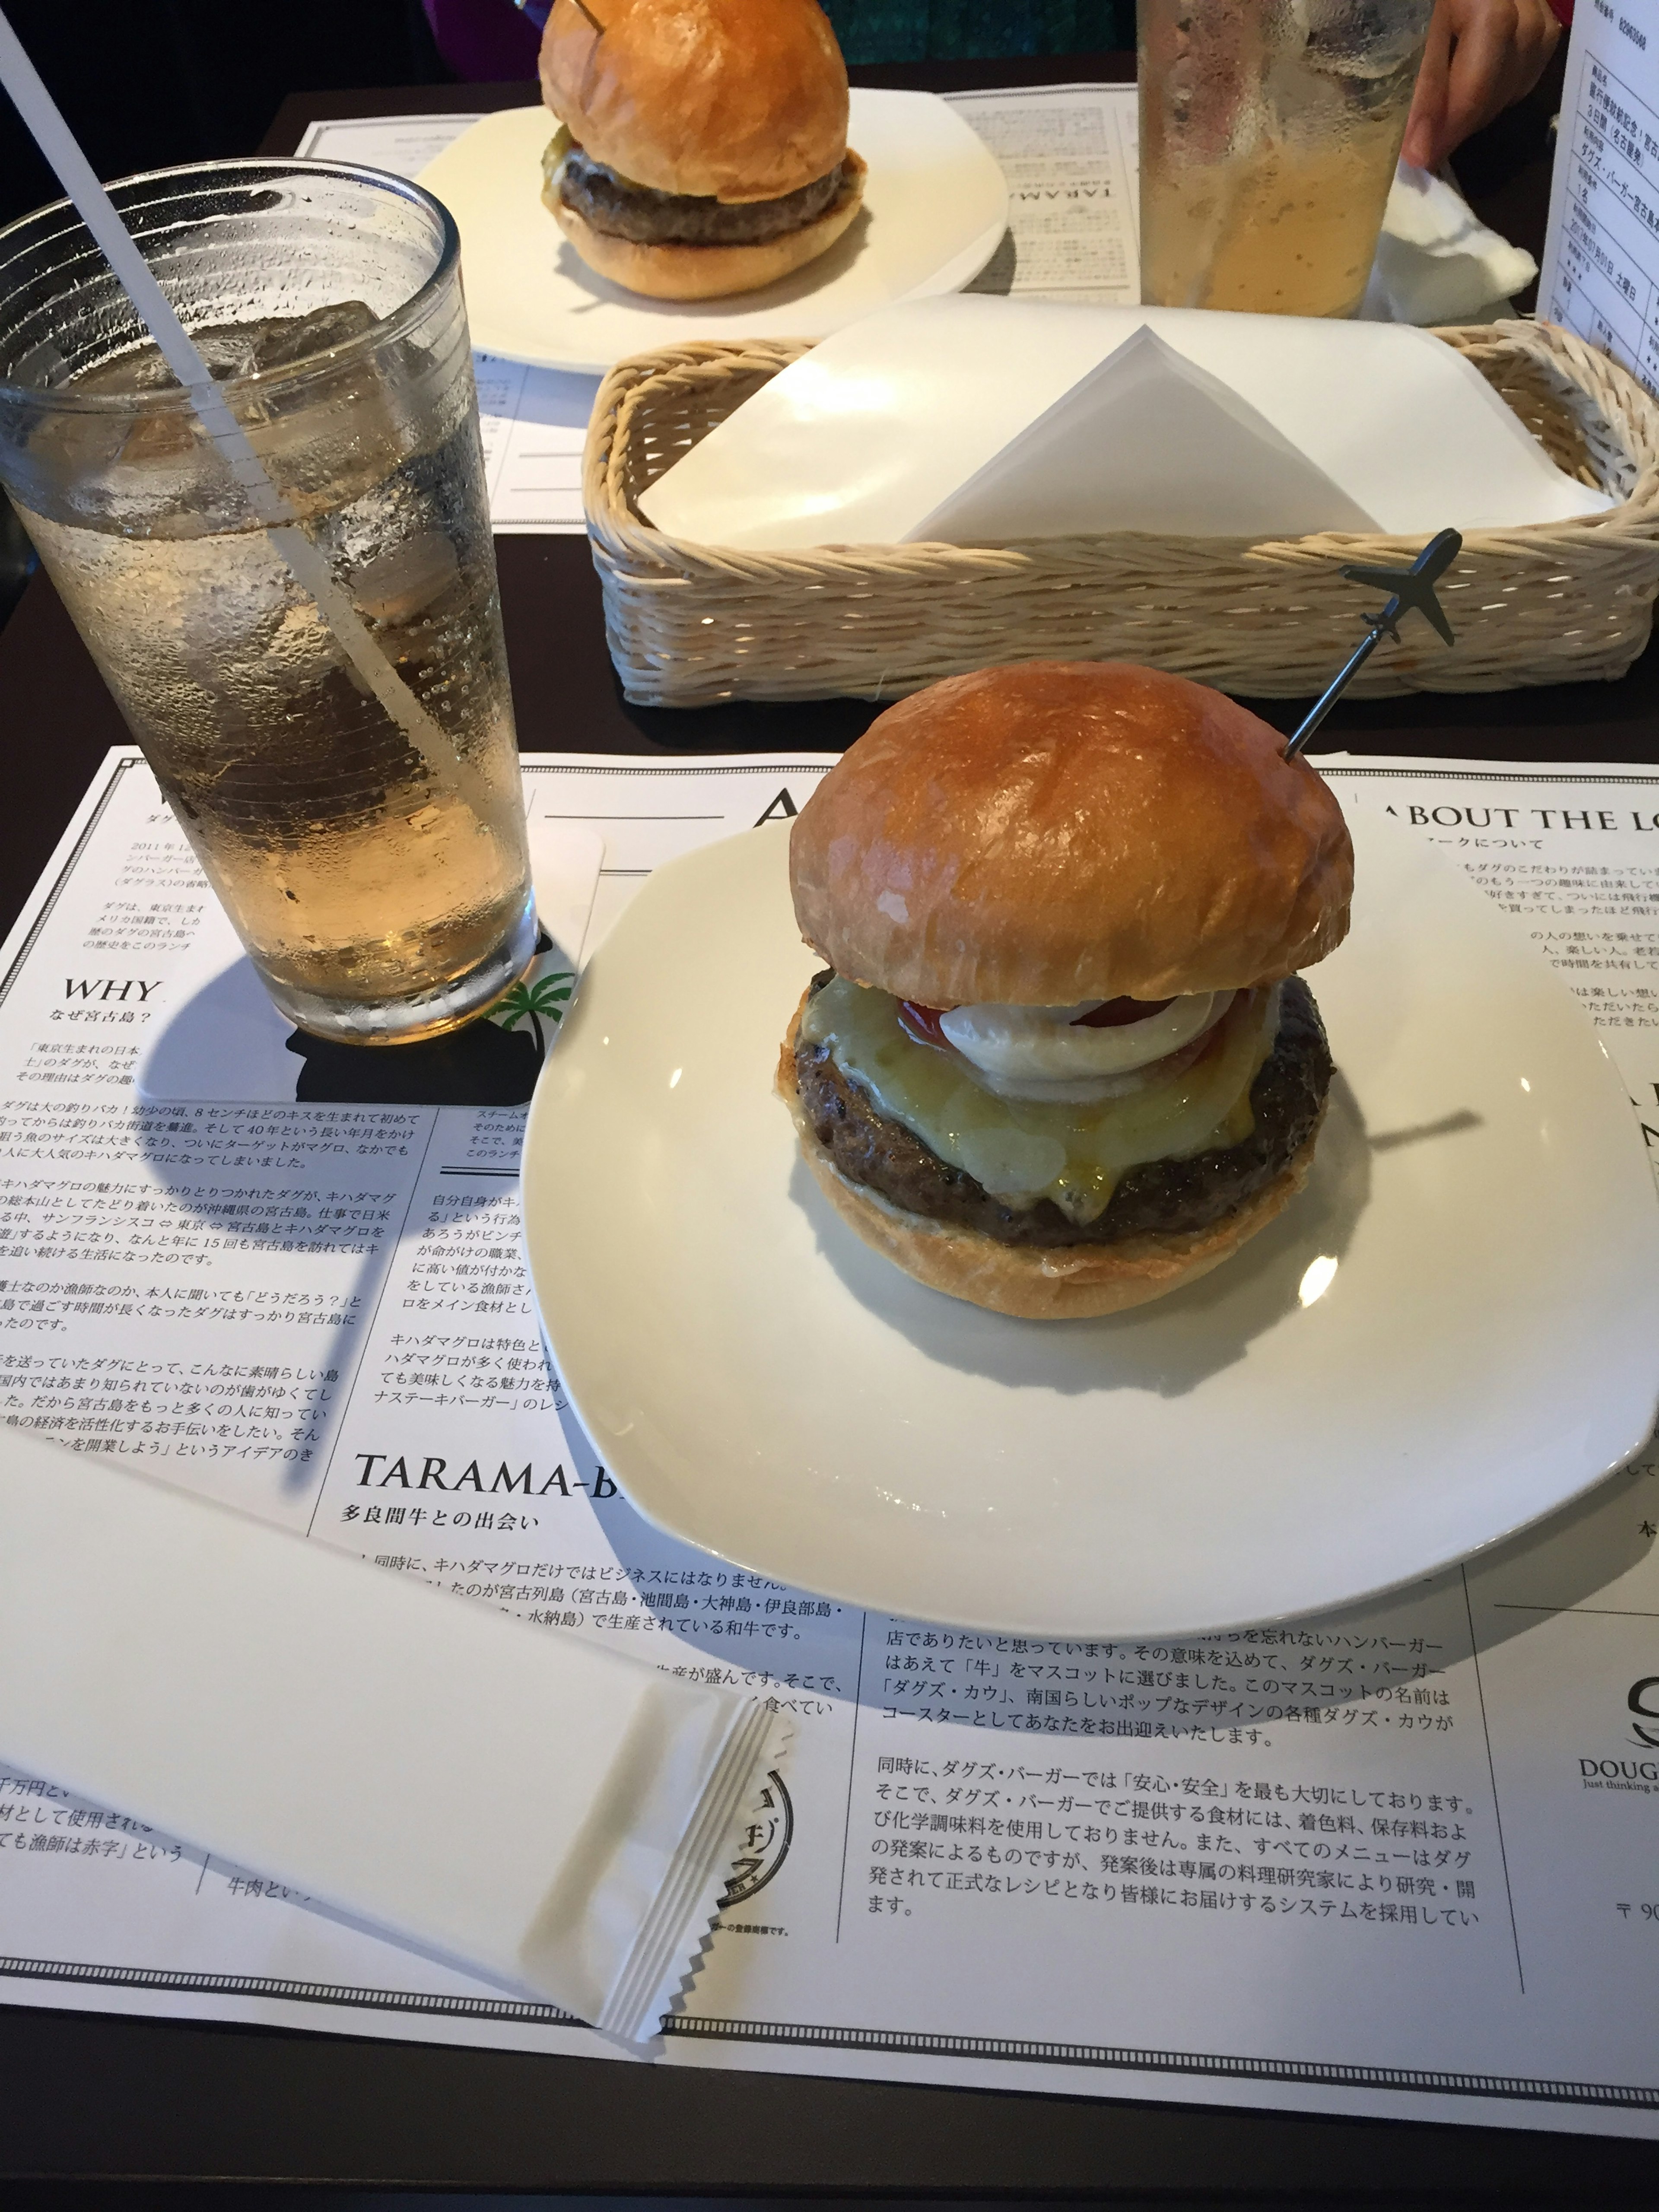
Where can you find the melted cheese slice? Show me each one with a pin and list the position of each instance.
(1023, 1150)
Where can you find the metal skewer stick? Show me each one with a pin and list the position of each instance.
(1408, 587)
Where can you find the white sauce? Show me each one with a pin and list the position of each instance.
(1038, 1052)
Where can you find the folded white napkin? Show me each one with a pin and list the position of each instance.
(971, 420)
(1436, 262)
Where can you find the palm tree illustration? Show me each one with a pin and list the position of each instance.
(546, 999)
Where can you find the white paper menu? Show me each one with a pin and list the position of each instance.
(1400, 1861)
(1601, 273)
(1070, 156)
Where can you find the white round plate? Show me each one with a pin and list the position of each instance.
(1453, 1330)
(935, 208)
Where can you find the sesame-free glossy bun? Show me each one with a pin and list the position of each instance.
(731, 100)
(709, 272)
(1063, 830)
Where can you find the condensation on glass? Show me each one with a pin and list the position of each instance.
(382, 899)
(1269, 132)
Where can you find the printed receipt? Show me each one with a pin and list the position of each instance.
(1155, 1870)
(1069, 155)
(1601, 275)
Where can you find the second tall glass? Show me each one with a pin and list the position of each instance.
(1269, 133)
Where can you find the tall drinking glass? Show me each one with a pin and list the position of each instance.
(1269, 132)
(382, 887)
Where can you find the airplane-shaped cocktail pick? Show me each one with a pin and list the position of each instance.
(1408, 587)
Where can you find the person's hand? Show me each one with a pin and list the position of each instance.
(1482, 56)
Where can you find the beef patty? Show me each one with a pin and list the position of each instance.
(1164, 1195)
(654, 218)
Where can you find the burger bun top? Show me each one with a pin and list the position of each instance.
(729, 99)
(1063, 830)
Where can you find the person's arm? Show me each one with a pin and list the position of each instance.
(1482, 56)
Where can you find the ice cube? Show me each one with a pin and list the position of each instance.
(227, 349)
(279, 345)
(402, 582)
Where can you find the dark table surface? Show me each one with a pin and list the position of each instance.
(90, 2097)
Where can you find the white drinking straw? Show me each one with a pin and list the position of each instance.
(307, 564)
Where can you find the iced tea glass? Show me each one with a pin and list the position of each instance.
(1269, 133)
(382, 887)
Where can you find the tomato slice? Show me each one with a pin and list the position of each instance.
(922, 1023)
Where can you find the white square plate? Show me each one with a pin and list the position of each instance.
(1451, 1332)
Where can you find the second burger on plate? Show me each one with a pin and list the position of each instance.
(702, 148)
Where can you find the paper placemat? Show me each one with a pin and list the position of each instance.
(1399, 1862)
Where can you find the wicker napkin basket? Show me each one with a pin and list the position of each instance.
(692, 625)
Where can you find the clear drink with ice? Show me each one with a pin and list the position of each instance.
(381, 888)
(1269, 133)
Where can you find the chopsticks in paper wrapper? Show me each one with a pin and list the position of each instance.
(300, 1713)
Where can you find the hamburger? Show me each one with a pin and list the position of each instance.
(1061, 1060)
(702, 144)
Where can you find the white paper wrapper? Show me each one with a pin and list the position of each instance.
(969, 420)
(300, 1713)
